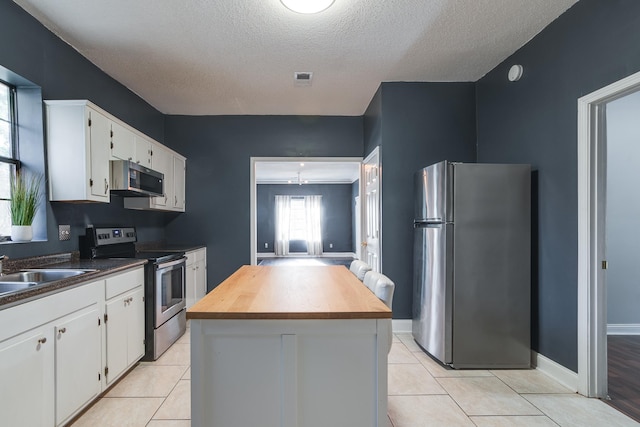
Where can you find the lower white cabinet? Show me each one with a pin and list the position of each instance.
(27, 372)
(196, 276)
(124, 322)
(78, 347)
(54, 350)
(125, 332)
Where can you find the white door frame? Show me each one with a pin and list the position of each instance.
(377, 151)
(253, 190)
(592, 321)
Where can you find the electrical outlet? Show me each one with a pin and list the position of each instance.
(64, 232)
(266, 245)
(330, 245)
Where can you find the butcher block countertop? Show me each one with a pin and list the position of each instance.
(283, 292)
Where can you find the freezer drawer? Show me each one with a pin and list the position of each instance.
(432, 289)
(433, 188)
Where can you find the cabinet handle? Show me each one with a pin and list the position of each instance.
(62, 330)
(175, 200)
(106, 186)
(42, 340)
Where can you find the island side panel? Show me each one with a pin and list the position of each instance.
(289, 373)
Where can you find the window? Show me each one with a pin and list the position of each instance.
(298, 219)
(8, 152)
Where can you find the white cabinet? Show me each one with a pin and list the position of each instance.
(179, 181)
(124, 322)
(82, 139)
(123, 144)
(143, 152)
(196, 276)
(54, 350)
(27, 372)
(78, 347)
(163, 162)
(78, 150)
(50, 356)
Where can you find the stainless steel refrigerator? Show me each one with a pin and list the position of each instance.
(472, 264)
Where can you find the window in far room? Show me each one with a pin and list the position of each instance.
(8, 152)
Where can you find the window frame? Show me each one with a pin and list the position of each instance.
(13, 135)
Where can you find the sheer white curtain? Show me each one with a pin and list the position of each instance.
(313, 211)
(282, 223)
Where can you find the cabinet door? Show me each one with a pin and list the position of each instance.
(116, 333)
(135, 332)
(78, 348)
(162, 161)
(143, 152)
(27, 378)
(201, 280)
(122, 142)
(99, 153)
(190, 280)
(179, 171)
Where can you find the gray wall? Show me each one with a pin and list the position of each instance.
(623, 210)
(218, 151)
(415, 124)
(337, 214)
(33, 52)
(534, 121)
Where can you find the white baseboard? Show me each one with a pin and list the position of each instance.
(303, 255)
(563, 375)
(401, 326)
(623, 329)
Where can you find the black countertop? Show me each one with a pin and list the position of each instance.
(103, 267)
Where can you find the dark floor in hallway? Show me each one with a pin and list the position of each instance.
(624, 373)
(305, 261)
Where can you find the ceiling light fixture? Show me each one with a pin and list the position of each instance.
(307, 6)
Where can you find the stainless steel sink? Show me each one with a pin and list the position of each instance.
(8, 287)
(33, 277)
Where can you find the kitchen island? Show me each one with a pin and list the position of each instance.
(289, 347)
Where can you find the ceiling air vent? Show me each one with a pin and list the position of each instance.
(302, 78)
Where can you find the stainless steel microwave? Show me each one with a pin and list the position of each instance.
(130, 179)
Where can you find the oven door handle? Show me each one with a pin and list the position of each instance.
(171, 263)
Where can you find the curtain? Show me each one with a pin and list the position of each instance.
(313, 210)
(283, 216)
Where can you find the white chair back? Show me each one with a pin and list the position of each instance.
(359, 268)
(371, 279)
(384, 290)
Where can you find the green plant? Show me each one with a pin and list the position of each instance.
(25, 197)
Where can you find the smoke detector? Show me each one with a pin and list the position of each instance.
(302, 78)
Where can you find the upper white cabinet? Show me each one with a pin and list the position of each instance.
(123, 144)
(143, 152)
(78, 147)
(82, 139)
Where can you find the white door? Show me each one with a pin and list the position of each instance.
(371, 218)
(135, 327)
(78, 347)
(117, 339)
(100, 152)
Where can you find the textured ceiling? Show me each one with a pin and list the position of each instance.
(200, 57)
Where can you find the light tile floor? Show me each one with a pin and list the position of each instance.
(421, 393)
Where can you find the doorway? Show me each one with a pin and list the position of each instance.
(300, 172)
(592, 237)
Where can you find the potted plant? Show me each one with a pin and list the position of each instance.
(25, 197)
